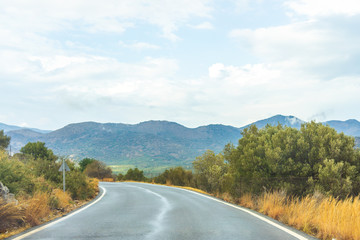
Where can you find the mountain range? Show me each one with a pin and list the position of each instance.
(148, 144)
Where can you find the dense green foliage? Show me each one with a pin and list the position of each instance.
(38, 151)
(211, 172)
(86, 161)
(314, 158)
(97, 169)
(299, 161)
(15, 175)
(36, 169)
(4, 140)
(78, 185)
(134, 175)
(151, 146)
(176, 176)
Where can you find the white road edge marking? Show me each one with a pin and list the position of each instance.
(61, 219)
(294, 234)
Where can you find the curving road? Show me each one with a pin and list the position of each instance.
(144, 211)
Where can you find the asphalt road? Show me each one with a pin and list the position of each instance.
(144, 211)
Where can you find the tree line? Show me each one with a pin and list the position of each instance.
(36, 169)
(314, 158)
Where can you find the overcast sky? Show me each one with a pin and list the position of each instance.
(195, 62)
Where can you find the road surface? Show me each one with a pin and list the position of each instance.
(144, 211)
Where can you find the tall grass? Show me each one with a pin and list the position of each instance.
(247, 200)
(60, 199)
(36, 208)
(323, 217)
(339, 218)
(10, 215)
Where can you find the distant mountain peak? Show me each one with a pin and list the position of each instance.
(290, 121)
(294, 120)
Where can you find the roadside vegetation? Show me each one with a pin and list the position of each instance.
(307, 178)
(33, 177)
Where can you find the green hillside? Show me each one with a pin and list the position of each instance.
(151, 145)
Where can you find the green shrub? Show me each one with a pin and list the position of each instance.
(15, 175)
(78, 185)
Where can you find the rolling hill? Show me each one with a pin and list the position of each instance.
(145, 144)
(148, 144)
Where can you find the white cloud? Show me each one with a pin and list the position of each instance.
(95, 16)
(216, 70)
(140, 46)
(70, 57)
(269, 89)
(99, 78)
(204, 25)
(305, 66)
(284, 42)
(320, 8)
(311, 46)
(52, 63)
(109, 25)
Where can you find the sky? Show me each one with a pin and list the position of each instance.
(195, 62)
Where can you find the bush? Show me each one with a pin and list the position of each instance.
(277, 157)
(119, 177)
(135, 175)
(86, 161)
(78, 186)
(15, 175)
(210, 169)
(38, 151)
(97, 169)
(175, 176)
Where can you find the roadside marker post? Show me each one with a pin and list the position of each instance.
(64, 167)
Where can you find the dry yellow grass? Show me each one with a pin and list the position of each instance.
(325, 218)
(338, 218)
(246, 200)
(225, 196)
(94, 184)
(272, 204)
(36, 208)
(10, 215)
(63, 198)
(300, 213)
